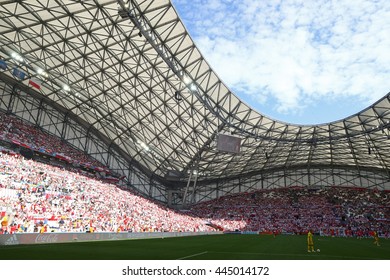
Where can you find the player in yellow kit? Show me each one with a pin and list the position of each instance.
(376, 238)
(310, 243)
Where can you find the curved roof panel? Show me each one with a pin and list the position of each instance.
(131, 70)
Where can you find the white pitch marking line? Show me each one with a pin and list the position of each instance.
(187, 257)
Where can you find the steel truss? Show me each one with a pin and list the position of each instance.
(124, 82)
(76, 133)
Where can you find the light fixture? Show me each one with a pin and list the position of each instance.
(42, 72)
(143, 145)
(66, 88)
(186, 80)
(17, 57)
(193, 87)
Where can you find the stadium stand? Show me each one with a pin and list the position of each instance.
(342, 211)
(24, 135)
(36, 197)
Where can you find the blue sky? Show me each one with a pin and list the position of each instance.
(302, 62)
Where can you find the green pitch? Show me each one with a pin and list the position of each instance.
(219, 247)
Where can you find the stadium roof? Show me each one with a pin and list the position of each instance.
(131, 71)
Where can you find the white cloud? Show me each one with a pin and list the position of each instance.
(294, 51)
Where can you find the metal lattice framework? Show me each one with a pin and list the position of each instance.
(126, 83)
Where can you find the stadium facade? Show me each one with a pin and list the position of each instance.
(124, 82)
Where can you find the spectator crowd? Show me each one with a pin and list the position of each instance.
(37, 197)
(341, 211)
(24, 134)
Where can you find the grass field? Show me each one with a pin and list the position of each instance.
(219, 247)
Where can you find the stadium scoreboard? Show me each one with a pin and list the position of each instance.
(228, 143)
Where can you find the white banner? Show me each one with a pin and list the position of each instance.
(38, 238)
(199, 270)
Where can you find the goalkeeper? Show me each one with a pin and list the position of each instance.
(376, 238)
(310, 243)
